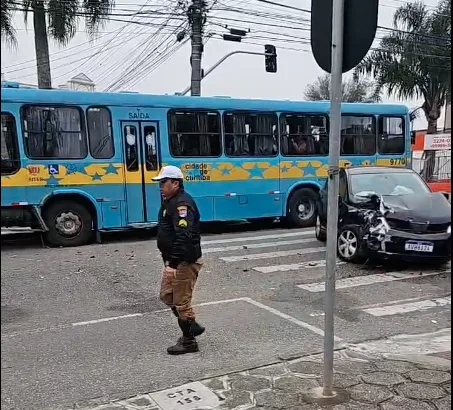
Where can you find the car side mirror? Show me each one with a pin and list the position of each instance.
(340, 200)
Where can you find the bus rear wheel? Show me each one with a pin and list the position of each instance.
(69, 224)
(302, 208)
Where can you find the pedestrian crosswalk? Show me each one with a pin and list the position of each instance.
(378, 294)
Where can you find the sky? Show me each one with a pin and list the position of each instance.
(136, 50)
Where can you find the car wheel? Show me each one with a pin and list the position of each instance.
(349, 244)
(302, 208)
(69, 224)
(320, 230)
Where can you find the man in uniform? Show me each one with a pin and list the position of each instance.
(178, 240)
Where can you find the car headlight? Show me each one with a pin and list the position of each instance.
(449, 229)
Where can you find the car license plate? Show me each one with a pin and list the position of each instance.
(419, 246)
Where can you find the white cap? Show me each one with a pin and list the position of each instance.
(169, 172)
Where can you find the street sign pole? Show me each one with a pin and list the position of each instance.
(333, 191)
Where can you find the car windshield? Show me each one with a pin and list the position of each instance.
(391, 184)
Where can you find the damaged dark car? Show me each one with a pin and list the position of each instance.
(388, 212)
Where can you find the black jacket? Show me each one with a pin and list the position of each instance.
(178, 232)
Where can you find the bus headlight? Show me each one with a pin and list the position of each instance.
(449, 229)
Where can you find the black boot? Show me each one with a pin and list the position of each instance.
(195, 329)
(187, 343)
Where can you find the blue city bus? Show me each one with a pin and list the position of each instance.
(78, 163)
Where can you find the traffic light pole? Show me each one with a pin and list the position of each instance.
(211, 69)
(333, 192)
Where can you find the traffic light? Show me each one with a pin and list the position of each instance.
(270, 58)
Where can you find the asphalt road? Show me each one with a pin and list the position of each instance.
(84, 323)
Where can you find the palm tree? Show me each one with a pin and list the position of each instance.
(354, 90)
(57, 19)
(414, 59)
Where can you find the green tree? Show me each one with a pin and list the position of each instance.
(414, 59)
(57, 19)
(354, 90)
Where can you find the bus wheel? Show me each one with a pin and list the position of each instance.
(69, 223)
(302, 208)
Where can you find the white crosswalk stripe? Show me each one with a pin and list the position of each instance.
(296, 252)
(257, 245)
(366, 280)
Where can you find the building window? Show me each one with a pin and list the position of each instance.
(54, 132)
(358, 135)
(251, 135)
(391, 135)
(99, 123)
(10, 146)
(304, 135)
(195, 134)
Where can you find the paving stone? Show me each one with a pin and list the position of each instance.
(370, 394)
(401, 403)
(429, 376)
(344, 381)
(214, 384)
(383, 378)
(394, 366)
(295, 384)
(443, 404)
(280, 401)
(235, 399)
(420, 391)
(249, 383)
(307, 368)
(270, 371)
(112, 406)
(354, 406)
(354, 367)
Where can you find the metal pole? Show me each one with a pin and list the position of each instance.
(197, 46)
(211, 69)
(333, 191)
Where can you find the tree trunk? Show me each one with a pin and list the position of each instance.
(41, 46)
(430, 156)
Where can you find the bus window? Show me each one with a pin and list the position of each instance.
(10, 148)
(100, 136)
(150, 148)
(195, 134)
(249, 134)
(131, 147)
(358, 135)
(303, 135)
(54, 132)
(391, 135)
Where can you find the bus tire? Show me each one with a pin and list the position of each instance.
(302, 208)
(69, 222)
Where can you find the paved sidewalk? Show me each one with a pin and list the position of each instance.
(415, 383)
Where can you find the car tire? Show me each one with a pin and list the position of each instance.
(302, 208)
(349, 244)
(320, 230)
(69, 224)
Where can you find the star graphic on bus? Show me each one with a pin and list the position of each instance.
(309, 170)
(111, 169)
(226, 171)
(255, 172)
(52, 180)
(96, 177)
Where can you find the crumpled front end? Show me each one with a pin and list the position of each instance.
(417, 241)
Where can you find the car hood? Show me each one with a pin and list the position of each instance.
(433, 208)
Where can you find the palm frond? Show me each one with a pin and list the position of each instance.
(95, 12)
(8, 31)
(62, 19)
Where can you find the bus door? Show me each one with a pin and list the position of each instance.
(142, 163)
